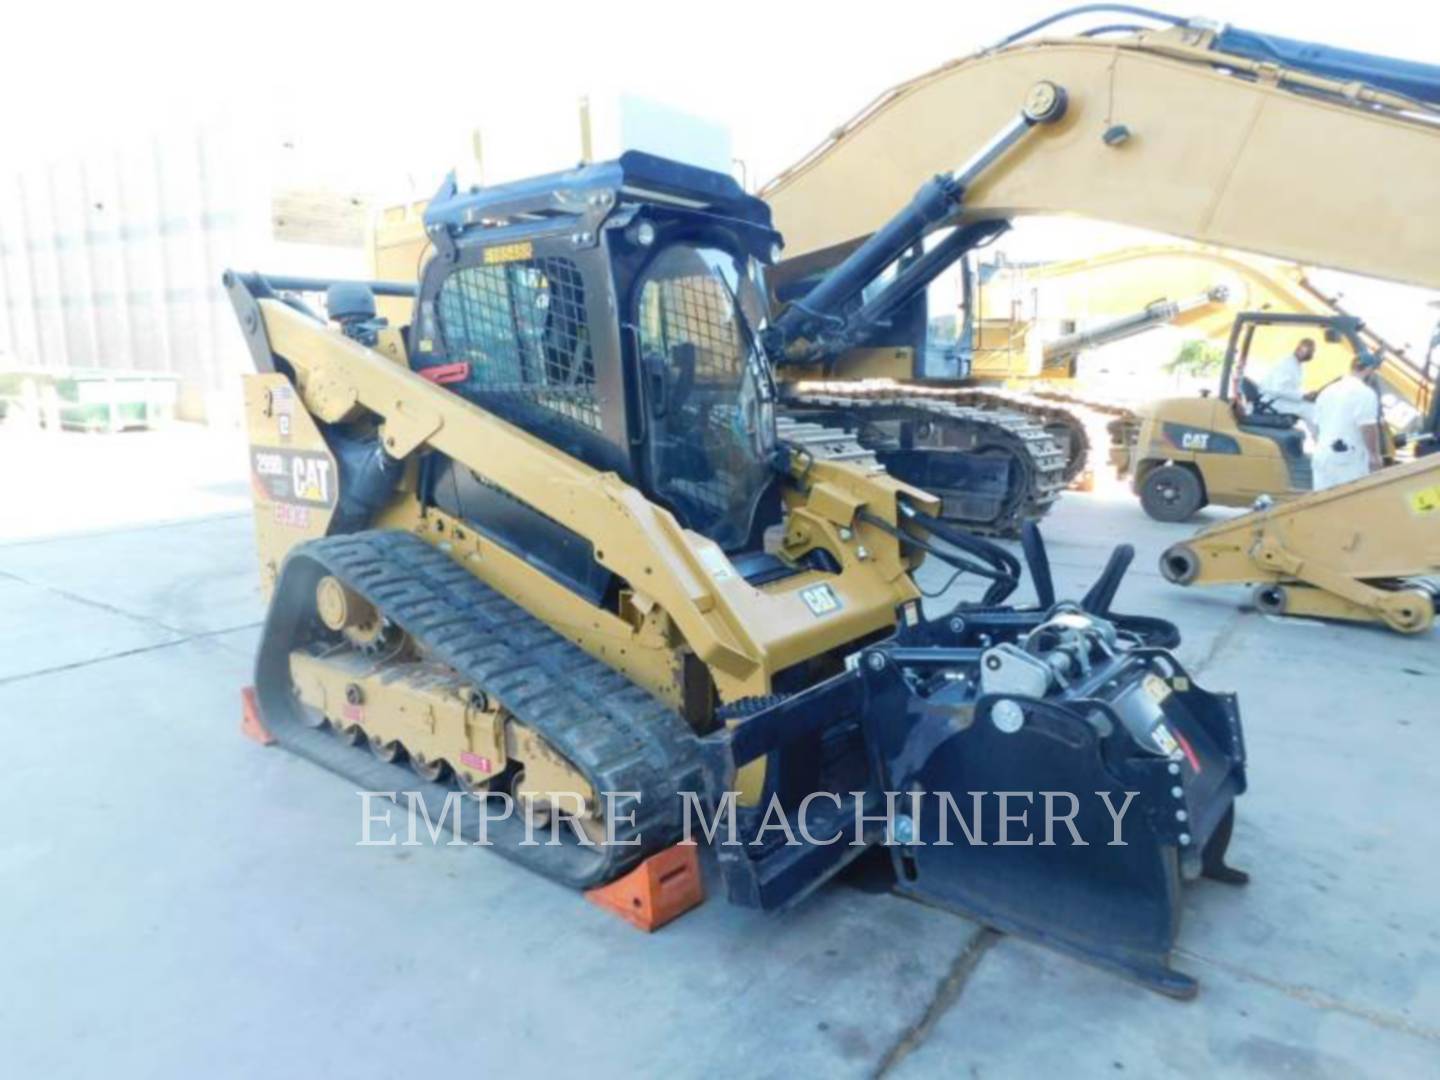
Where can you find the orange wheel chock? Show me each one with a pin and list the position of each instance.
(658, 891)
(251, 726)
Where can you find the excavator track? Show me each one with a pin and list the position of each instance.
(1071, 427)
(1121, 423)
(862, 406)
(825, 443)
(1083, 401)
(619, 737)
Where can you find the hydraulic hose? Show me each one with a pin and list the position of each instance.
(1090, 9)
(1006, 567)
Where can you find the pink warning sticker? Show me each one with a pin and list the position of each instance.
(475, 761)
(292, 517)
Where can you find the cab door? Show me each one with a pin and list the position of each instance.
(709, 406)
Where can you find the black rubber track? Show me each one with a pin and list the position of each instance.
(615, 733)
(1040, 460)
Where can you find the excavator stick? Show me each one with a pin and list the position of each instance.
(1357, 553)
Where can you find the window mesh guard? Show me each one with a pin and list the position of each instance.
(521, 327)
(698, 311)
(704, 445)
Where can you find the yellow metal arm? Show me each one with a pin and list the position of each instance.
(1339, 175)
(1324, 554)
(742, 633)
(1126, 279)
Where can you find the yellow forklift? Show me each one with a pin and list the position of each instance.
(1230, 447)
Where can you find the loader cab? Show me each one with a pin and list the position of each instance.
(614, 311)
(706, 402)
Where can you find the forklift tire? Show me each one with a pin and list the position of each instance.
(1171, 493)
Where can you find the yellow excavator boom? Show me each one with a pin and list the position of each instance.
(1162, 132)
(1124, 280)
(1333, 553)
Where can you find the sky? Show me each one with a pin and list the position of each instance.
(383, 98)
(391, 82)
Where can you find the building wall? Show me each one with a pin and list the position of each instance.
(112, 244)
(111, 255)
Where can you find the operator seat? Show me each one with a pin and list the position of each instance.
(1257, 416)
(1259, 413)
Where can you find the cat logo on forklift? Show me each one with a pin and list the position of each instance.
(303, 478)
(1198, 440)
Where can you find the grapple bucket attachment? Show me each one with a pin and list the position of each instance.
(1071, 820)
(1052, 772)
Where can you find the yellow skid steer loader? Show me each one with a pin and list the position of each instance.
(546, 546)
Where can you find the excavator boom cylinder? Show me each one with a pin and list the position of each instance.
(937, 200)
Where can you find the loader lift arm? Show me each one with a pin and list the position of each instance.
(340, 378)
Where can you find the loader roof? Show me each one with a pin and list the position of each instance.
(640, 176)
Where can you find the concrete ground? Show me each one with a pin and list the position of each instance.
(182, 902)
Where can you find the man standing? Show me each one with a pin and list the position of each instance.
(1347, 414)
(1283, 386)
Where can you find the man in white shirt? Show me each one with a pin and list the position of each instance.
(1283, 386)
(1347, 414)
